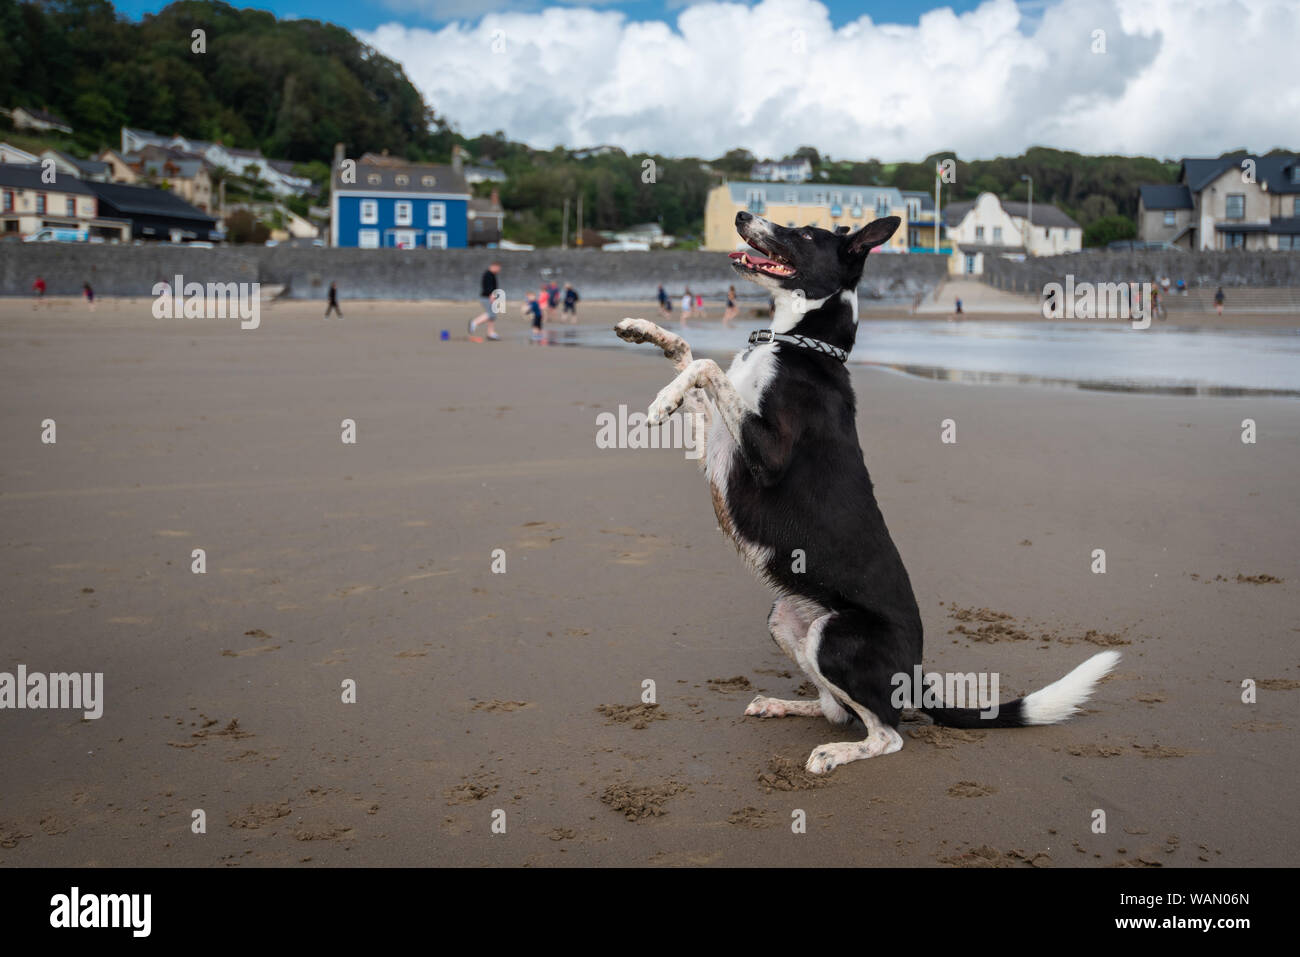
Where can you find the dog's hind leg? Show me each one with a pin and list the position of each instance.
(788, 626)
(845, 665)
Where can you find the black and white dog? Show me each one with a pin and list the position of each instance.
(787, 473)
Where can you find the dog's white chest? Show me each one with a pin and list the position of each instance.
(752, 372)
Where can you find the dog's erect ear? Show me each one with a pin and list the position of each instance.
(872, 235)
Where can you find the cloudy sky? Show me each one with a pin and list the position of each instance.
(892, 80)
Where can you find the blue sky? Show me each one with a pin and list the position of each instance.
(366, 16)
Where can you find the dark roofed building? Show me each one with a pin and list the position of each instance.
(1228, 202)
(391, 203)
(155, 213)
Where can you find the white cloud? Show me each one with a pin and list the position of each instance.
(1179, 77)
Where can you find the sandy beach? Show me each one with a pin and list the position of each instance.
(478, 692)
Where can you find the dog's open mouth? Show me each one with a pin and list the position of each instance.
(767, 262)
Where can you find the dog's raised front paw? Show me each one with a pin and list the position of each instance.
(634, 330)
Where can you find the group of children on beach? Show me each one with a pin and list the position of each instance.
(693, 304)
(540, 307)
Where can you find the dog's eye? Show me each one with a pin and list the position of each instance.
(808, 236)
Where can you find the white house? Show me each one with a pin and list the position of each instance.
(988, 226)
(12, 154)
(246, 164)
(785, 171)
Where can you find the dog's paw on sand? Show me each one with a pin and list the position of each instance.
(637, 802)
(782, 774)
(638, 716)
(985, 856)
(971, 789)
(730, 685)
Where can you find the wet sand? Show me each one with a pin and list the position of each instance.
(520, 692)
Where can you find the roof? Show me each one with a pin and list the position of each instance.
(28, 176)
(486, 206)
(86, 167)
(815, 194)
(1290, 225)
(927, 201)
(185, 168)
(1278, 172)
(145, 201)
(43, 115)
(445, 179)
(1166, 197)
(1045, 214)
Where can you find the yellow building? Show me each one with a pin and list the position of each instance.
(800, 204)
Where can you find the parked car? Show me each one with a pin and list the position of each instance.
(58, 234)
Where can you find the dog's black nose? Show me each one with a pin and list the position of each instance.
(743, 217)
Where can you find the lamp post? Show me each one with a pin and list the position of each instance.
(1026, 178)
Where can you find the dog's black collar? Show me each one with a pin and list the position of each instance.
(803, 342)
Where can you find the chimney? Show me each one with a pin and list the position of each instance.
(338, 155)
(457, 159)
(496, 197)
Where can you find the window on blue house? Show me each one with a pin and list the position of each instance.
(436, 240)
(403, 214)
(368, 238)
(369, 211)
(438, 216)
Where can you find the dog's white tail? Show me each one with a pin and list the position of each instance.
(1062, 697)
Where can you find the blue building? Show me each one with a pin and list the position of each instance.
(380, 201)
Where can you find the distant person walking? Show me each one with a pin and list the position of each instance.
(571, 302)
(38, 290)
(729, 314)
(89, 295)
(1218, 301)
(334, 301)
(665, 304)
(552, 300)
(487, 289)
(533, 307)
(687, 299)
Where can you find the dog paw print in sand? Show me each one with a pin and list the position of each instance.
(256, 633)
(730, 685)
(538, 535)
(496, 705)
(470, 790)
(1277, 684)
(985, 856)
(783, 774)
(208, 730)
(636, 547)
(945, 738)
(971, 789)
(987, 625)
(11, 834)
(636, 802)
(639, 716)
(751, 817)
(257, 816)
(1094, 751)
